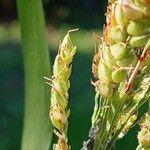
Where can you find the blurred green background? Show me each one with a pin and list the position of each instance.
(60, 15)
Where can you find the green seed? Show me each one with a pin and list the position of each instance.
(119, 75)
(105, 89)
(104, 73)
(136, 28)
(139, 41)
(118, 50)
(128, 60)
(118, 34)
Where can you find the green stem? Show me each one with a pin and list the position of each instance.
(36, 129)
(149, 107)
(101, 136)
(113, 147)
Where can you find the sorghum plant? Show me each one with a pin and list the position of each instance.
(121, 67)
(60, 84)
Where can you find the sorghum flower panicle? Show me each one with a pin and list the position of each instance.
(59, 112)
(122, 70)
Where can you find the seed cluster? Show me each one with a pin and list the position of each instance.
(126, 33)
(121, 67)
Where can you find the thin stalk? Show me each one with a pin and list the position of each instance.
(36, 129)
(101, 136)
(113, 147)
(96, 110)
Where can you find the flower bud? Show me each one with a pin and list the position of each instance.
(61, 145)
(59, 98)
(131, 10)
(105, 89)
(67, 43)
(58, 65)
(118, 34)
(138, 27)
(144, 137)
(95, 63)
(108, 58)
(104, 73)
(128, 60)
(139, 41)
(67, 50)
(59, 86)
(118, 50)
(109, 39)
(61, 70)
(145, 121)
(119, 75)
(58, 118)
(121, 19)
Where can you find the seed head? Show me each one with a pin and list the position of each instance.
(59, 91)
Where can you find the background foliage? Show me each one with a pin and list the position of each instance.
(61, 15)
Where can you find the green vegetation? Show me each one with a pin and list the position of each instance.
(36, 127)
(121, 68)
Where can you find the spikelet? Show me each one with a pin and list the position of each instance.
(60, 84)
(144, 133)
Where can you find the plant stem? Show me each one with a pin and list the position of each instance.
(36, 129)
(113, 147)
